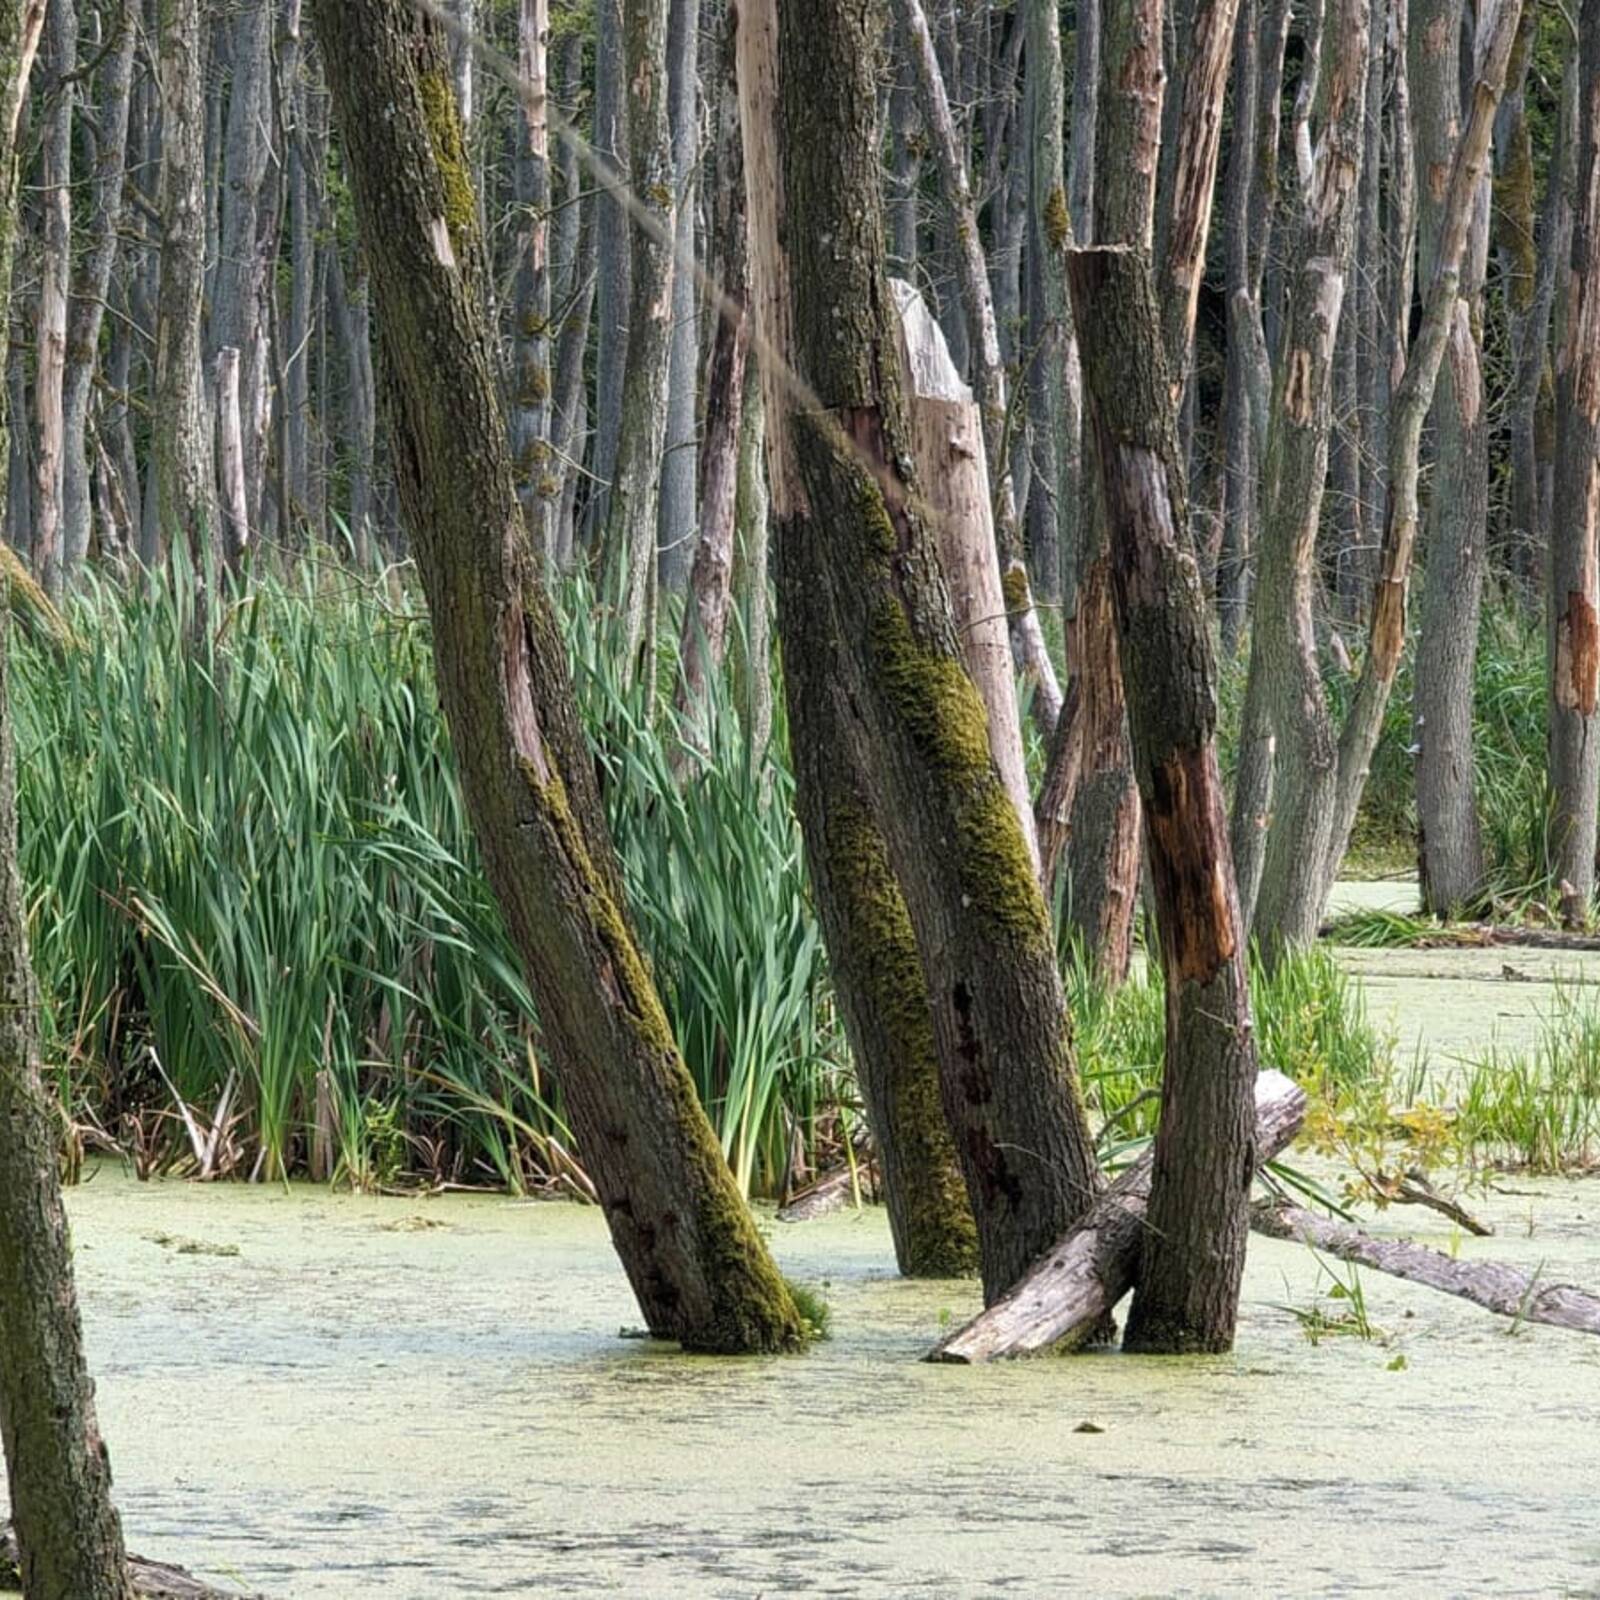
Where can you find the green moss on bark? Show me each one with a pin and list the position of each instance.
(935, 701)
(939, 1238)
(449, 150)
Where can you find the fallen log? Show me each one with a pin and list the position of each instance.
(1065, 1296)
(1491, 1284)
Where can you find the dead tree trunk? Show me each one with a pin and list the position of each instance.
(1193, 1259)
(947, 444)
(989, 376)
(1413, 395)
(1068, 1294)
(1284, 668)
(1496, 1287)
(635, 494)
(703, 640)
(850, 523)
(1575, 531)
(699, 1268)
(1450, 859)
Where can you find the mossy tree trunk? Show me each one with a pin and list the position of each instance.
(58, 1473)
(700, 1270)
(852, 528)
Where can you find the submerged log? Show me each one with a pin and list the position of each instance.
(1494, 1285)
(1064, 1297)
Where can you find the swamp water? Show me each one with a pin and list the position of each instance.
(313, 1394)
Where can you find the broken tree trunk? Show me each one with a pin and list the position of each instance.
(1066, 1294)
(947, 441)
(1491, 1284)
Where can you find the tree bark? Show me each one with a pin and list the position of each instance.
(947, 444)
(851, 522)
(58, 1472)
(1575, 530)
(1449, 840)
(679, 489)
(1284, 668)
(60, 59)
(1067, 1294)
(988, 370)
(180, 449)
(538, 484)
(703, 641)
(613, 256)
(1193, 1257)
(1413, 395)
(241, 275)
(631, 517)
(697, 1265)
(1508, 1291)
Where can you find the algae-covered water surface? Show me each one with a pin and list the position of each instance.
(322, 1394)
(328, 1395)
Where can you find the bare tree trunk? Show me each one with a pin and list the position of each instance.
(1575, 541)
(988, 371)
(679, 489)
(631, 518)
(698, 1266)
(852, 531)
(60, 57)
(241, 274)
(705, 617)
(1449, 841)
(753, 665)
(1284, 668)
(58, 1473)
(1413, 395)
(538, 485)
(613, 261)
(947, 445)
(108, 145)
(180, 447)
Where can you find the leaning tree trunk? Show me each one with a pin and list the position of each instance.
(1193, 1257)
(630, 537)
(179, 440)
(1449, 839)
(852, 528)
(699, 1268)
(1575, 530)
(58, 1473)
